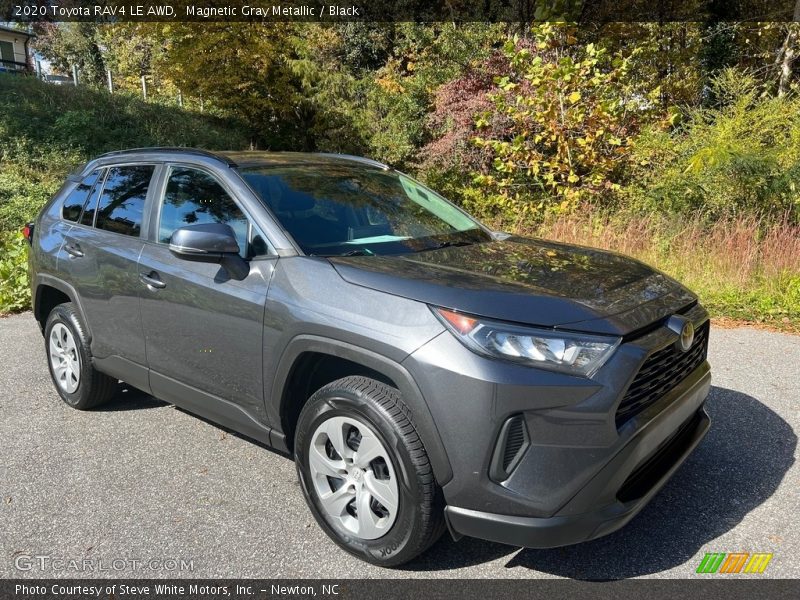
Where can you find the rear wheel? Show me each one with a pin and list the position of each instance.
(365, 473)
(70, 361)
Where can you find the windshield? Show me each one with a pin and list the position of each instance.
(348, 210)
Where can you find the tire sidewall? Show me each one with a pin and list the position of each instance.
(389, 548)
(79, 397)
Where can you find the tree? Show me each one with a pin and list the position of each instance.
(72, 44)
(788, 52)
(243, 69)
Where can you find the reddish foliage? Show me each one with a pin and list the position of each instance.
(453, 119)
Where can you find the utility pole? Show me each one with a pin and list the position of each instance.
(110, 82)
(144, 87)
(75, 75)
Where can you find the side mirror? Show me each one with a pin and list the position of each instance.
(210, 242)
(205, 240)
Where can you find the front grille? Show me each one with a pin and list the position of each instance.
(660, 373)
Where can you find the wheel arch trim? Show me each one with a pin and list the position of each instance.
(410, 391)
(44, 279)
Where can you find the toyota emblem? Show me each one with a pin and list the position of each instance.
(684, 329)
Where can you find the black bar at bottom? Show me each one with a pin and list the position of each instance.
(705, 587)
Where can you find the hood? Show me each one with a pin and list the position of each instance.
(529, 281)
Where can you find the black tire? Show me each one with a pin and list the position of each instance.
(94, 388)
(419, 520)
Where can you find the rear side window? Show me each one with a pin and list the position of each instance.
(75, 201)
(87, 217)
(121, 204)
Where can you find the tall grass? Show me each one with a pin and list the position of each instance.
(742, 267)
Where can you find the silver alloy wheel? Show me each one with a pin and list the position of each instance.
(353, 477)
(64, 358)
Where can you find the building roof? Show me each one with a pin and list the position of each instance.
(16, 31)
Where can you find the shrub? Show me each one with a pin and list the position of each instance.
(551, 131)
(25, 189)
(742, 158)
(15, 294)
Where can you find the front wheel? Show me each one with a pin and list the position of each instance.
(365, 473)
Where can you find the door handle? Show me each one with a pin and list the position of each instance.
(152, 280)
(73, 249)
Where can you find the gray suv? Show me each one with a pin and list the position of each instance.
(423, 371)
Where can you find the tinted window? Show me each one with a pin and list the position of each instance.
(74, 202)
(121, 205)
(195, 197)
(90, 208)
(351, 209)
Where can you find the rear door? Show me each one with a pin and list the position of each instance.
(103, 250)
(204, 329)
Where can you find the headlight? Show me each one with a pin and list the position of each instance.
(573, 353)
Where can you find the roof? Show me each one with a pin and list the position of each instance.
(252, 158)
(256, 158)
(16, 31)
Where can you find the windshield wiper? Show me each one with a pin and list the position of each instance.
(357, 253)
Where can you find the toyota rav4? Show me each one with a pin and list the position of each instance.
(423, 371)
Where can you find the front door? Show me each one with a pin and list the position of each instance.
(204, 330)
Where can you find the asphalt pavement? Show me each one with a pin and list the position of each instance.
(139, 488)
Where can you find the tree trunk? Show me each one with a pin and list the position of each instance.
(788, 53)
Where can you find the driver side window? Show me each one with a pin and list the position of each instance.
(194, 197)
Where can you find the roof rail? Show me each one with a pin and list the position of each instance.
(172, 149)
(358, 159)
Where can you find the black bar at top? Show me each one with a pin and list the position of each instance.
(580, 11)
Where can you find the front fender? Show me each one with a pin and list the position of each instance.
(412, 396)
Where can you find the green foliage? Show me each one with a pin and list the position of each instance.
(23, 191)
(368, 89)
(243, 70)
(73, 44)
(773, 301)
(557, 133)
(38, 120)
(15, 294)
(740, 158)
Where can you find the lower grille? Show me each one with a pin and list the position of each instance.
(654, 468)
(660, 373)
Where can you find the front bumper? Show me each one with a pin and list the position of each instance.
(563, 530)
(580, 475)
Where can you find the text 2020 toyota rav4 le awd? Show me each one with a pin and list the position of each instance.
(424, 371)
